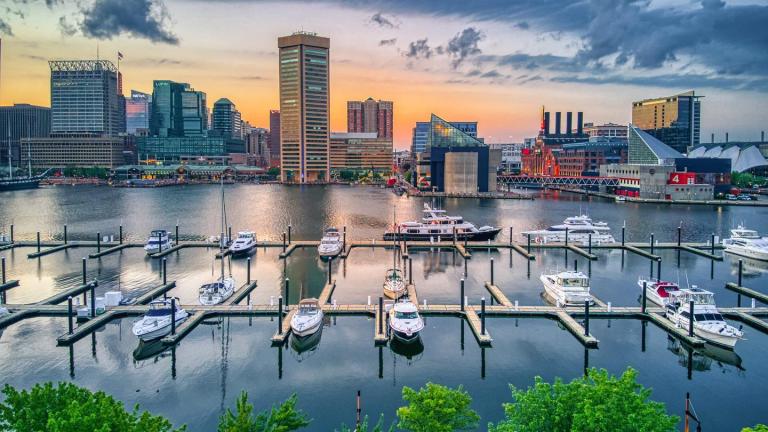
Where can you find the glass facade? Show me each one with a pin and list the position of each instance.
(173, 148)
(421, 133)
(674, 120)
(137, 112)
(227, 120)
(445, 134)
(177, 110)
(17, 122)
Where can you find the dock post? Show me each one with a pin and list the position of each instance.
(586, 317)
(381, 314)
(176, 237)
(173, 316)
(529, 243)
(510, 235)
(651, 243)
(344, 238)
(623, 228)
(465, 267)
(482, 316)
(287, 291)
(249, 270)
(330, 268)
(280, 315)
(590, 243)
(283, 241)
(4, 271)
(165, 271)
(645, 296)
(492, 271)
(658, 268)
(454, 236)
(575, 265)
(229, 235)
(65, 233)
(11, 233)
(290, 229)
(93, 301)
(38, 242)
(121, 235)
(738, 299)
(712, 245)
(84, 271)
(69, 314)
(98, 242)
(566, 236)
(461, 299)
(410, 271)
(690, 319)
(680, 234)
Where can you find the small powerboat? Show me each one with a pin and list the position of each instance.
(405, 321)
(156, 323)
(331, 244)
(708, 323)
(394, 284)
(567, 288)
(747, 243)
(658, 291)
(308, 318)
(158, 241)
(243, 244)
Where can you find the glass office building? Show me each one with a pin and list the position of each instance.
(17, 122)
(137, 112)
(177, 110)
(421, 132)
(227, 120)
(674, 120)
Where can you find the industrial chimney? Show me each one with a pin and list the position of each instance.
(568, 123)
(546, 123)
(580, 122)
(557, 123)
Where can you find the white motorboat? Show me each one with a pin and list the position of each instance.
(308, 318)
(620, 198)
(223, 287)
(394, 284)
(156, 323)
(567, 288)
(708, 323)
(659, 292)
(405, 321)
(331, 244)
(578, 229)
(748, 243)
(158, 241)
(436, 225)
(243, 244)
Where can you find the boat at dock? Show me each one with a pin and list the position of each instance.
(243, 244)
(159, 240)
(12, 183)
(658, 291)
(567, 288)
(405, 321)
(747, 243)
(437, 225)
(394, 284)
(708, 323)
(223, 287)
(331, 244)
(578, 229)
(308, 318)
(157, 322)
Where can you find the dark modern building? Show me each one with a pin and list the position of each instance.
(21, 121)
(421, 134)
(585, 158)
(370, 116)
(274, 137)
(178, 110)
(85, 98)
(674, 120)
(174, 149)
(138, 110)
(227, 121)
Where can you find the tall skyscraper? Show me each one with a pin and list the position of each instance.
(304, 99)
(21, 121)
(370, 116)
(673, 120)
(227, 121)
(138, 112)
(177, 110)
(84, 98)
(274, 137)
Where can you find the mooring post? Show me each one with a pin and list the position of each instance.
(280, 315)
(492, 271)
(482, 316)
(381, 314)
(84, 271)
(651, 243)
(690, 319)
(575, 265)
(410, 271)
(658, 268)
(566, 236)
(344, 238)
(229, 235)
(461, 299)
(249, 270)
(98, 242)
(69, 314)
(586, 317)
(121, 236)
(590, 243)
(287, 290)
(11, 233)
(645, 296)
(330, 268)
(65, 233)
(679, 235)
(283, 241)
(510, 235)
(177, 234)
(93, 300)
(38, 242)
(741, 270)
(465, 267)
(712, 245)
(529, 243)
(623, 228)
(173, 316)
(290, 229)
(3, 270)
(165, 271)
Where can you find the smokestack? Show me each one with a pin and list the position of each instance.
(546, 123)
(557, 123)
(726, 137)
(580, 122)
(568, 123)
(713, 138)
(762, 136)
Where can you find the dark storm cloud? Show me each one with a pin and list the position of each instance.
(676, 81)
(5, 28)
(464, 45)
(382, 21)
(419, 49)
(105, 19)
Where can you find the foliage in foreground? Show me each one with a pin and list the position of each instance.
(436, 408)
(756, 428)
(69, 408)
(283, 418)
(364, 426)
(598, 402)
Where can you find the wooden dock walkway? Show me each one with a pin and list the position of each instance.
(675, 331)
(498, 294)
(62, 296)
(581, 252)
(576, 329)
(749, 292)
(51, 250)
(701, 252)
(91, 326)
(642, 253)
(475, 323)
(184, 328)
(412, 296)
(325, 294)
(113, 249)
(750, 320)
(285, 328)
(241, 293)
(380, 337)
(154, 293)
(13, 283)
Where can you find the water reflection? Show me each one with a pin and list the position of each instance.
(304, 347)
(751, 266)
(704, 358)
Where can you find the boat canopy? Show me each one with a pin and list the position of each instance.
(158, 233)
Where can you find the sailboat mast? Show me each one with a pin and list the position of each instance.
(10, 154)
(29, 154)
(223, 230)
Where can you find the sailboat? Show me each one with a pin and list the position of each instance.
(223, 287)
(394, 283)
(18, 183)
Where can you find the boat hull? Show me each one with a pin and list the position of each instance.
(241, 252)
(562, 297)
(473, 236)
(160, 331)
(748, 253)
(309, 327)
(331, 252)
(405, 337)
(21, 184)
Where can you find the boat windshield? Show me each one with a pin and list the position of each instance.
(574, 282)
(330, 241)
(158, 233)
(158, 310)
(708, 317)
(406, 315)
(747, 234)
(308, 310)
(212, 287)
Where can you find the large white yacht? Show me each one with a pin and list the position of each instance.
(708, 324)
(156, 322)
(567, 288)
(331, 244)
(158, 241)
(405, 321)
(579, 229)
(437, 225)
(244, 244)
(748, 243)
(659, 292)
(308, 319)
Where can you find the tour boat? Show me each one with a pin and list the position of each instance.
(244, 244)
(394, 284)
(156, 323)
(567, 288)
(578, 229)
(331, 244)
(708, 323)
(308, 318)
(158, 241)
(436, 225)
(747, 243)
(12, 183)
(223, 287)
(658, 291)
(404, 321)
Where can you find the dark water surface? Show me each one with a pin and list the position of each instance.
(193, 382)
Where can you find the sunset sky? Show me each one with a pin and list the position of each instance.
(491, 61)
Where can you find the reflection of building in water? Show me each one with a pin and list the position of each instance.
(438, 261)
(751, 267)
(705, 357)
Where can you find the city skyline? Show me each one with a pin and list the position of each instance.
(470, 67)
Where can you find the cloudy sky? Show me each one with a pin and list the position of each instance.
(492, 61)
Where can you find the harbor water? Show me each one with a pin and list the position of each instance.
(197, 379)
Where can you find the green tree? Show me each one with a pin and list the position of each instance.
(282, 418)
(436, 408)
(756, 428)
(364, 427)
(598, 402)
(274, 172)
(69, 408)
(408, 176)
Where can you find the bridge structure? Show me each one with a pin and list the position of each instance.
(537, 180)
